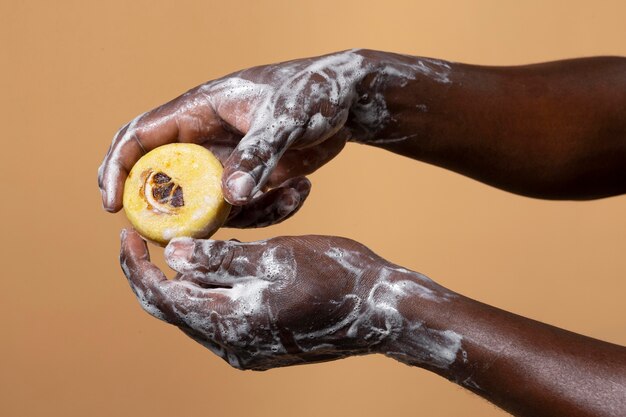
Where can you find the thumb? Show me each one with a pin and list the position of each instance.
(248, 168)
(212, 263)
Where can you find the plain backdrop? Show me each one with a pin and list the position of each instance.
(75, 341)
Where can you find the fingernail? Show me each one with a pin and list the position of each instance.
(288, 203)
(240, 185)
(180, 248)
(303, 186)
(123, 234)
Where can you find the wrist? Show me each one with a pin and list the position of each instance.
(394, 98)
(416, 309)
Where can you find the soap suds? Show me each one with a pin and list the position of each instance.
(295, 104)
(263, 304)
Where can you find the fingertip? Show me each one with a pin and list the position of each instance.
(130, 233)
(113, 203)
(106, 202)
(110, 209)
(111, 189)
(129, 258)
(123, 244)
(274, 206)
(303, 187)
(133, 245)
(179, 250)
(289, 201)
(238, 188)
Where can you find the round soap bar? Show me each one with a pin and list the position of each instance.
(175, 190)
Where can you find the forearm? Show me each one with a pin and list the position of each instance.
(553, 130)
(525, 367)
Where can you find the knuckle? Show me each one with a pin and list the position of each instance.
(258, 153)
(219, 254)
(206, 249)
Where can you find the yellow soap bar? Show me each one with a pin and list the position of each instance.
(174, 191)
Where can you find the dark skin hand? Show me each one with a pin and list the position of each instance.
(261, 305)
(554, 130)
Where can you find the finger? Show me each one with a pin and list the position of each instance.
(272, 207)
(170, 301)
(144, 278)
(212, 263)
(188, 118)
(248, 168)
(115, 167)
(301, 162)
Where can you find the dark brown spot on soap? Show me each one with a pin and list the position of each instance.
(161, 178)
(177, 197)
(162, 193)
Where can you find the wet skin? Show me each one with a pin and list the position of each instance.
(555, 130)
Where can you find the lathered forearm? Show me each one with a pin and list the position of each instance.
(525, 367)
(552, 130)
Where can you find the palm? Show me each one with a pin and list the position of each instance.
(264, 304)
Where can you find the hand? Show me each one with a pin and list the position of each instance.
(284, 301)
(267, 125)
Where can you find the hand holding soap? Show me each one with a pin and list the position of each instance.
(174, 191)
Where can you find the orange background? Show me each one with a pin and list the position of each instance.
(75, 341)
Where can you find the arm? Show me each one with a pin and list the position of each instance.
(525, 367)
(554, 130)
(295, 300)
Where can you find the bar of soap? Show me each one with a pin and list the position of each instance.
(174, 191)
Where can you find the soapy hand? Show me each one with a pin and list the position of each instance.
(273, 123)
(287, 300)
(266, 124)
